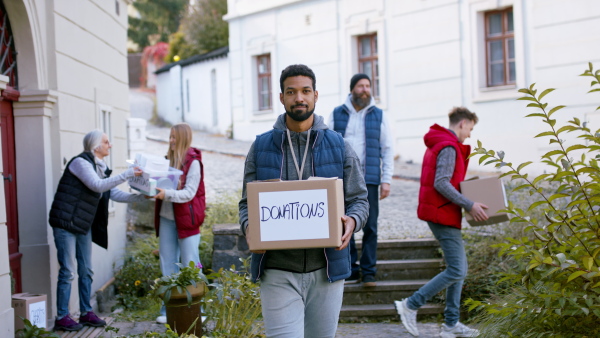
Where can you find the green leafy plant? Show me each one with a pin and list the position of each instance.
(190, 275)
(134, 278)
(30, 330)
(557, 293)
(233, 303)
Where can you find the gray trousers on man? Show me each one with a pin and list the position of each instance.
(300, 305)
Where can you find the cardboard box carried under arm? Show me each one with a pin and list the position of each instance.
(489, 191)
(295, 214)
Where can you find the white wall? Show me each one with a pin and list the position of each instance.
(186, 94)
(432, 58)
(163, 98)
(91, 76)
(197, 88)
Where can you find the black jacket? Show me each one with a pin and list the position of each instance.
(76, 208)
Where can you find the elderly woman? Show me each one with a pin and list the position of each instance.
(79, 215)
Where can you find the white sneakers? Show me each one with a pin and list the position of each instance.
(459, 330)
(407, 316)
(161, 319)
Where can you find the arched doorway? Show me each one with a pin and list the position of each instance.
(8, 68)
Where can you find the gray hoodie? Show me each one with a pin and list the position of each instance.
(355, 196)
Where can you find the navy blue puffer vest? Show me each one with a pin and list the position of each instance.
(328, 161)
(373, 119)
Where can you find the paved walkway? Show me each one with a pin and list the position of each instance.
(345, 330)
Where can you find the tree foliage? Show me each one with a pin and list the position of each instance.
(202, 30)
(557, 293)
(158, 19)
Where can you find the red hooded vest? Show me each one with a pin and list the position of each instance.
(189, 216)
(433, 206)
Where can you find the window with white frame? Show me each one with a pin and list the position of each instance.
(263, 72)
(105, 124)
(500, 48)
(368, 61)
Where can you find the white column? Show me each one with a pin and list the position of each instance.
(33, 115)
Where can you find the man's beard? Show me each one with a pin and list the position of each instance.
(361, 102)
(298, 115)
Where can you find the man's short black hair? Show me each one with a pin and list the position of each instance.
(458, 114)
(297, 70)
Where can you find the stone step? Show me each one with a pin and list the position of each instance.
(405, 248)
(409, 269)
(382, 293)
(383, 311)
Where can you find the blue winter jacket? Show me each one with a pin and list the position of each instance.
(328, 161)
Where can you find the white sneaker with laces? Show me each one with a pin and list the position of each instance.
(161, 319)
(408, 317)
(459, 330)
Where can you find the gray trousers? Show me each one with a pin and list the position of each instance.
(299, 305)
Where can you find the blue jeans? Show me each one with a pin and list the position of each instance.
(69, 245)
(450, 279)
(298, 305)
(175, 250)
(368, 258)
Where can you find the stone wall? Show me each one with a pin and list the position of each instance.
(229, 245)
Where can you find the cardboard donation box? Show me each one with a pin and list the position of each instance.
(295, 214)
(489, 191)
(157, 174)
(29, 306)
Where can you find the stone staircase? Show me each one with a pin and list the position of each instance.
(403, 266)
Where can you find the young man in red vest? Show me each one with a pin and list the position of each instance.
(440, 202)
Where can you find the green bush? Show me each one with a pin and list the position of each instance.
(557, 292)
(486, 266)
(141, 267)
(233, 303)
(139, 270)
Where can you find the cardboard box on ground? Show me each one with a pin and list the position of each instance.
(489, 191)
(295, 214)
(157, 174)
(30, 306)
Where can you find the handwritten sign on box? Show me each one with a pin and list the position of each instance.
(282, 211)
(295, 214)
(30, 306)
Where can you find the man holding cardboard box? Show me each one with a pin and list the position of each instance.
(302, 289)
(366, 128)
(440, 202)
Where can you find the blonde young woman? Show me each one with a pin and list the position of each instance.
(179, 213)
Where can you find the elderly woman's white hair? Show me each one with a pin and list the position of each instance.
(92, 140)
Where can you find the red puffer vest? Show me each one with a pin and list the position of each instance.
(433, 206)
(189, 216)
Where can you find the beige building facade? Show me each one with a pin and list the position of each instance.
(69, 77)
(425, 57)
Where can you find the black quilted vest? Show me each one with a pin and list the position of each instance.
(78, 209)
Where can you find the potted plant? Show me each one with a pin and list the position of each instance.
(182, 293)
